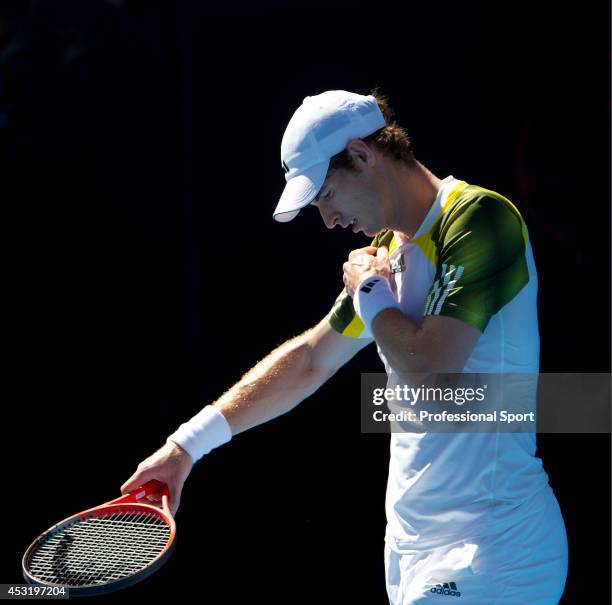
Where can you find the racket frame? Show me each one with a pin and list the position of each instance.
(121, 504)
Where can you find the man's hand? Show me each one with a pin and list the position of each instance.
(170, 464)
(365, 262)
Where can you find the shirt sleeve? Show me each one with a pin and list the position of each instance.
(481, 262)
(343, 317)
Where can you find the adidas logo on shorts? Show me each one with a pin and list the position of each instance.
(448, 589)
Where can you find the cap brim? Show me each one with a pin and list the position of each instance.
(300, 191)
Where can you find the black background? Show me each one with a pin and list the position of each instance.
(142, 272)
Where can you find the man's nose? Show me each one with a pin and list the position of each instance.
(330, 217)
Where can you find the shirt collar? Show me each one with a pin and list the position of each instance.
(434, 211)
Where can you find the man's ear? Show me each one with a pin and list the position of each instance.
(360, 152)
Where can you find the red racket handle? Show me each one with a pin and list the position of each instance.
(148, 489)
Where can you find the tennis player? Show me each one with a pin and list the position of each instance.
(448, 284)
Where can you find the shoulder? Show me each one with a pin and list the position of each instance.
(478, 213)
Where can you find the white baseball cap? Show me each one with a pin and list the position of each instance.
(319, 129)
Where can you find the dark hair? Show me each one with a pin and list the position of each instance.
(392, 140)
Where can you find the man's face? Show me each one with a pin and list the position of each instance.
(351, 199)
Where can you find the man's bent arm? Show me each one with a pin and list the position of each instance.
(439, 344)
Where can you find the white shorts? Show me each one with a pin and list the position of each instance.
(526, 565)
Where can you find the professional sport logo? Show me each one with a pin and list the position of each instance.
(448, 589)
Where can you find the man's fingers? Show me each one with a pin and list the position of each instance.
(175, 498)
(136, 480)
(382, 252)
(141, 477)
(174, 494)
(366, 250)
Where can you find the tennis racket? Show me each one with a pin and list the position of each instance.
(105, 548)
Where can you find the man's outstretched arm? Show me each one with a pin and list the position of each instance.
(275, 385)
(286, 376)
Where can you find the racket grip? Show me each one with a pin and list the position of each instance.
(154, 487)
(148, 489)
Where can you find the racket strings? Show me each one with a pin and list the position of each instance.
(101, 549)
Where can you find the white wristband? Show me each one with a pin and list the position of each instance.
(373, 296)
(205, 431)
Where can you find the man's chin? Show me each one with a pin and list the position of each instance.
(365, 231)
